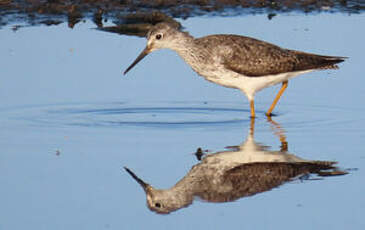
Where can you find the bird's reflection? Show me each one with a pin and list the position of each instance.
(138, 24)
(241, 171)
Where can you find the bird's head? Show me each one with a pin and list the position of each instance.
(160, 36)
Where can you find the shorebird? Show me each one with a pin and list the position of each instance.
(241, 171)
(234, 61)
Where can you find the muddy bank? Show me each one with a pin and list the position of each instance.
(52, 12)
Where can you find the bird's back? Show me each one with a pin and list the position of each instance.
(255, 58)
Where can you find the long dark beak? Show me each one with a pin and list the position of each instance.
(139, 58)
(144, 185)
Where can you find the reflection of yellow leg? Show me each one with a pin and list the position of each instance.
(281, 91)
(252, 126)
(281, 133)
(252, 105)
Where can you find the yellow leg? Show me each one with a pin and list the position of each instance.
(252, 105)
(281, 91)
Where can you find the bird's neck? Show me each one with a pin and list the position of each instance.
(191, 53)
(183, 41)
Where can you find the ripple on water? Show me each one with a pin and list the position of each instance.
(327, 118)
(168, 115)
(123, 114)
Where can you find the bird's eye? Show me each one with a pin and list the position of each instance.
(158, 36)
(157, 205)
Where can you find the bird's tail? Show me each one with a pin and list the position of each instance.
(321, 61)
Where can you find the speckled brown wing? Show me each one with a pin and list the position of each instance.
(255, 58)
(250, 179)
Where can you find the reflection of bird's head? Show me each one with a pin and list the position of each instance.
(161, 201)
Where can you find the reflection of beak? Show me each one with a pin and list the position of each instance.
(144, 185)
(139, 58)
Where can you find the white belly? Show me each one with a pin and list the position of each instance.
(251, 85)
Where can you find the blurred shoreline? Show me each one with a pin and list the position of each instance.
(53, 12)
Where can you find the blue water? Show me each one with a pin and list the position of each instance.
(70, 121)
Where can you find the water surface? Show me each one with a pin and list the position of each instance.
(70, 121)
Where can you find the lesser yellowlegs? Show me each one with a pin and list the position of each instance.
(236, 61)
